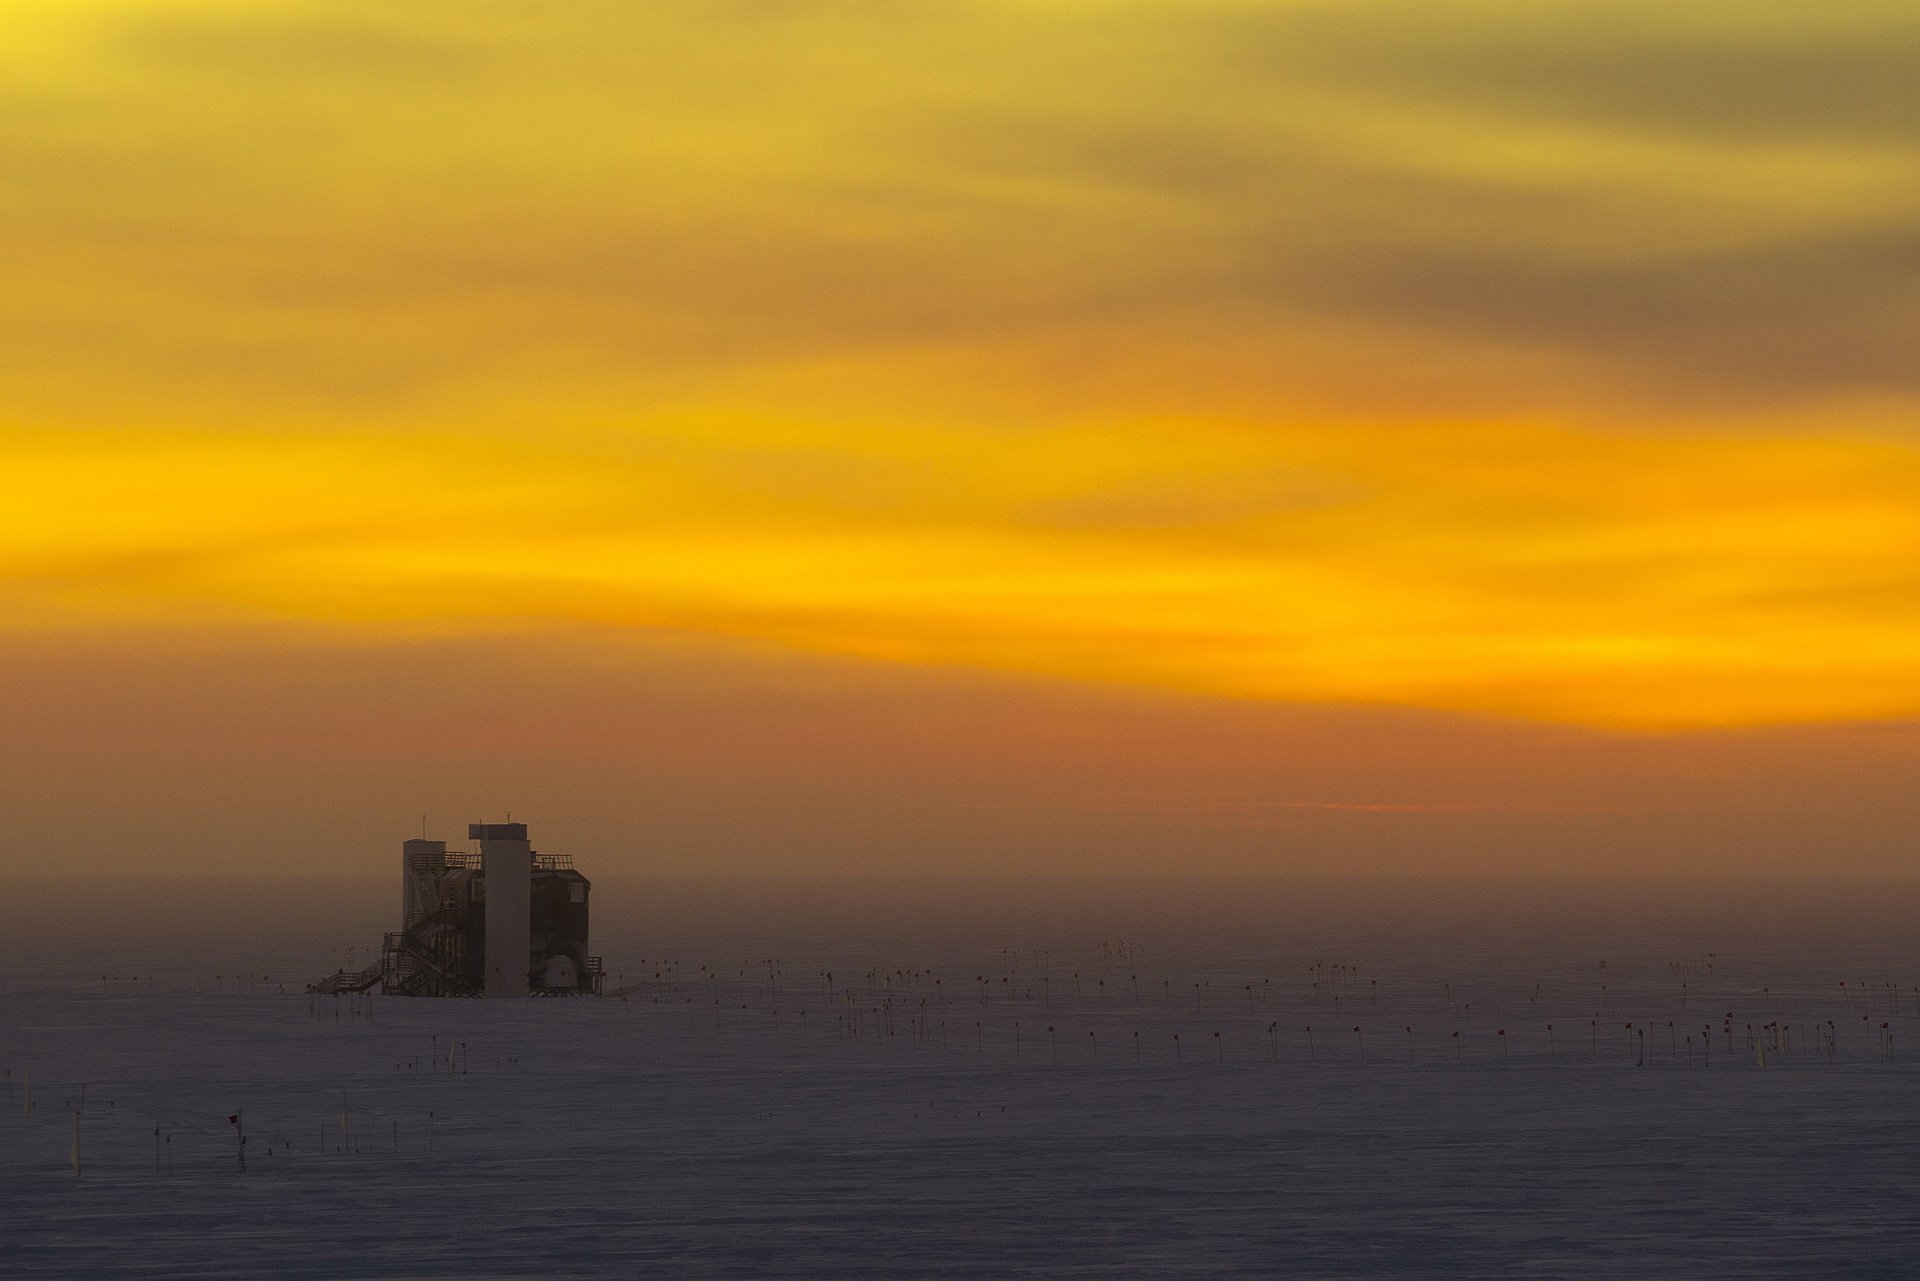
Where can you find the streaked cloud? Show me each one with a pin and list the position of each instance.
(1539, 360)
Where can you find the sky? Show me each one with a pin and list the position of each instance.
(1241, 436)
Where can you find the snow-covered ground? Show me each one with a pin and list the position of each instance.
(960, 1100)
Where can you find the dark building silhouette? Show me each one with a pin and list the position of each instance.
(504, 920)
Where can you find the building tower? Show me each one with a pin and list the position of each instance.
(506, 860)
(423, 863)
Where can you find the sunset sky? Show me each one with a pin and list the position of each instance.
(986, 435)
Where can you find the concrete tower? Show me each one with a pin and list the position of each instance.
(507, 861)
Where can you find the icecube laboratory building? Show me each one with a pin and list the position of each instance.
(501, 920)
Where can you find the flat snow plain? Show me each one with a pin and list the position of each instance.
(1006, 1120)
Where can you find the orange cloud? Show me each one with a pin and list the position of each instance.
(1281, 351)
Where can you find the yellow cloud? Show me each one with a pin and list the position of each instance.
(1285, 350)
(1646, 581)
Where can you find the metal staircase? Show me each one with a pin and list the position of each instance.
(412, 970)
(350, 980)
